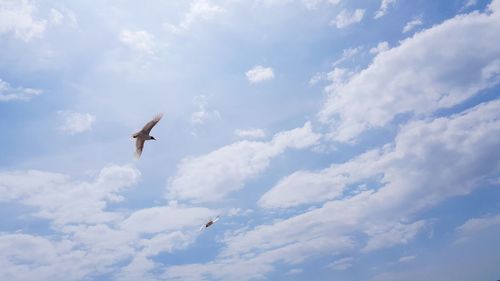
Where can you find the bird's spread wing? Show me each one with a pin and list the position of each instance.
(147, 128)
(139, 144)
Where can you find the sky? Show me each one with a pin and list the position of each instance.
(336, 140)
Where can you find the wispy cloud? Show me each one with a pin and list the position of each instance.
(250, 133)
(384, 6)
(406, 258)
(203, 113)
(475, 226)
(9, 93)
(341, 264)
(469, 3)
(346, 18)
(139, 40)
(259, 74)
(199, 11)
(313, 4)
(412, 24)
(347, 54)
(75, 122)
(381, 47)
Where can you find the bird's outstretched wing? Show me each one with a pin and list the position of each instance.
(139, 144)
(147, 128)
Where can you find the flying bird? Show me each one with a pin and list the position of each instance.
(209, 223)
(143, 135)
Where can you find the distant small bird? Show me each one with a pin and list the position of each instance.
(143, 135)
(209, 223)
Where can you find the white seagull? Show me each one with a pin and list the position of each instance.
(143, 135)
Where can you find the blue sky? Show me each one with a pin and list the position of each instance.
(336, 140)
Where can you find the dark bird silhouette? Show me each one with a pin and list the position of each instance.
(143, 135)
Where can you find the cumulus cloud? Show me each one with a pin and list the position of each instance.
(459, 146)
(250, 133)
(417, 77)
(62, 200)
(259, 74)
(212, 176)
(346, 18)
(87, 239)
(74, 123)
(421, 147)
(139, 40)
(412, 24)
(17, 17)
(9, 93)
(384, 6)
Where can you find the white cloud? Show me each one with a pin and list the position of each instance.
(56, 17)
(402, 181)
(341, 264)
(234, 212)
(259, 74)
(406, 259)
(17, 17)
(295, 271)
(345, 18)
(347, 54)
(381, 47)
(140, 40)
(421, 147)
(212, 176)
(89, 240)
(412, 24)
(406, 183)
(469, 3)
(161, 219)
(74, 122)
(8, 93)
(384, 5)
(250, 133)
(203, 114)
(62, 200)
(385, 236)
(417, 77)
(313, 4)
(256, 266)
(476, 225)
(199, 11)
